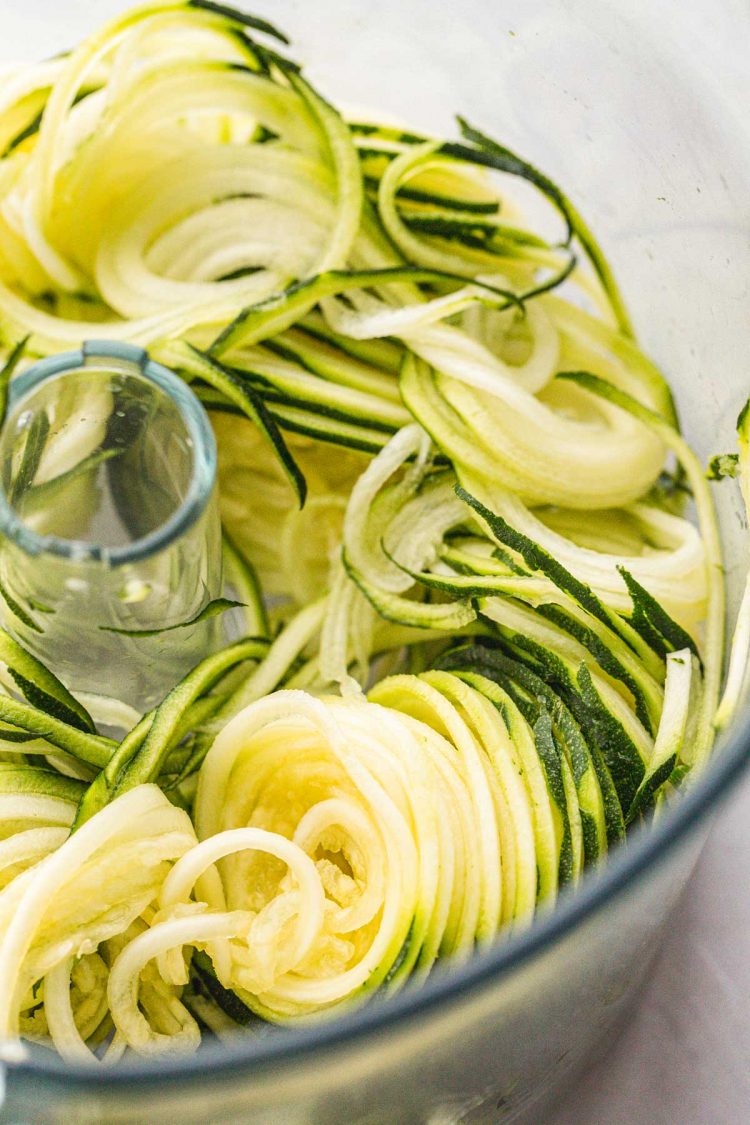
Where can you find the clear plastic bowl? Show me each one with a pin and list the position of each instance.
(639, 110)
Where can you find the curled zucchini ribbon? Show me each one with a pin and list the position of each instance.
(347, 844)
(56, 926)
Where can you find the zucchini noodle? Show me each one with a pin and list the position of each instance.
(483, 631)
(52, 912)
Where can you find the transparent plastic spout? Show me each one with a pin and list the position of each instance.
(110, 542)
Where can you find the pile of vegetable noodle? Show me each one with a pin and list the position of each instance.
(480, 633)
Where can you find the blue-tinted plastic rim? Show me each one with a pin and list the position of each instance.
(97, 353)
(645, 850)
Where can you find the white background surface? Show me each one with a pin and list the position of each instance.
(685, 1059)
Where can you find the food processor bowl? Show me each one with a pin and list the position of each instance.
(638, 110)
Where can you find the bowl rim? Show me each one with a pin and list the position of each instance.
(248, 1055)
